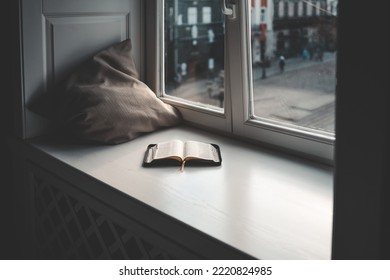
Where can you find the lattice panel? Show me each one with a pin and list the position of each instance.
(69, 229)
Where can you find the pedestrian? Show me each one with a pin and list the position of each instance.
(320, 54)
(282, 63)
(305, 54)
(177, 78)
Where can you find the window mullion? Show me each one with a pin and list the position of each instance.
(237, 65)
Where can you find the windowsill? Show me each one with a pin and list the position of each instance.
(266, 204)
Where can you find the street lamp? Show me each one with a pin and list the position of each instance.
(263, 36)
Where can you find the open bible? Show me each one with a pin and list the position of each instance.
(177, 152)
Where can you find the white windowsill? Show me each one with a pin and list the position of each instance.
(266, 204)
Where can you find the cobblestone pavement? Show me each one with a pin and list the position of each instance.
(303, 94)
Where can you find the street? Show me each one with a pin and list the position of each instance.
(303, 94)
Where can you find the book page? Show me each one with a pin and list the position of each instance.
(170, 149)
(195, 149)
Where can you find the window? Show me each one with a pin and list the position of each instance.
(290, 9)
(309, 7)
(253, 71)
(281, 8)
(194, 56)
(300, 8)
(206, 14)
(192, 15)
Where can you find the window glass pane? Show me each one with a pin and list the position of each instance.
(294, 63)
(194, 52)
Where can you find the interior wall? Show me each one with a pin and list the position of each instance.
(9, 80)
(362, 195)
(122, 19)
(385, 233)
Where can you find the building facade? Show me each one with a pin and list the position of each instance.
(291, 28)
(194, 39)
(304, 25)
(194, 34)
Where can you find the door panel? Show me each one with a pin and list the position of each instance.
(56, 36)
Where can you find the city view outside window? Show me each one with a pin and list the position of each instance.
(292, 50)
(194, 51)
(294, 62)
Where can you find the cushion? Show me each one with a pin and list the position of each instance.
(104, 101)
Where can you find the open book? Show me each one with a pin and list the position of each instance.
(179, 152)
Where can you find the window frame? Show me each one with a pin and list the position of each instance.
(317, 146)
(236, 120)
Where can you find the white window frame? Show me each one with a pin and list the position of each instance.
(195, 114)
(238, 120)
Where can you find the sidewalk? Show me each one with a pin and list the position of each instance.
(294, 63)
(304, 94)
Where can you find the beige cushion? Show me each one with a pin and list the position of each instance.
(104, 101)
